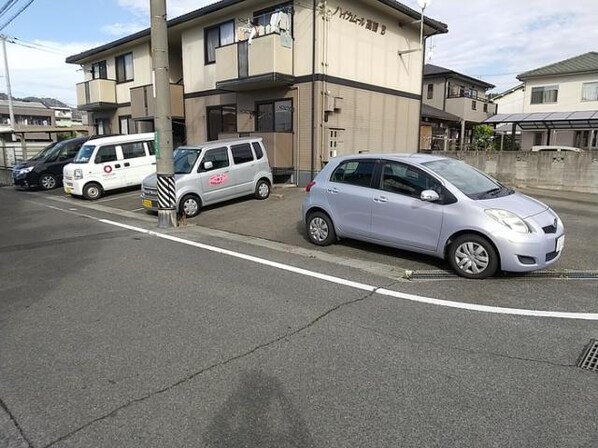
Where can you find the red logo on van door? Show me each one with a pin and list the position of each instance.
(107, 169)
(218, 179)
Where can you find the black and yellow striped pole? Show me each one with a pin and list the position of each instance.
(167, 216)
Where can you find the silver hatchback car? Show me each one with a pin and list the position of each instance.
(432, 205)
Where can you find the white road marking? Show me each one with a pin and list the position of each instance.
(362, 286)
(120, 196)
(138, 209)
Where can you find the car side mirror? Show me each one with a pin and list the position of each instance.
(429, 196)
(208, 165)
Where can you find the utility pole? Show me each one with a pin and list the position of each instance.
(167, 216)
(8, 90)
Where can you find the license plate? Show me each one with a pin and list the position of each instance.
(560, 243)
(68, 190)
(147, 203)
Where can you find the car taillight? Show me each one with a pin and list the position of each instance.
(309, 185)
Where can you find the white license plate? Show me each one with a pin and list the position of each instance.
(68, 190)
(560, 243)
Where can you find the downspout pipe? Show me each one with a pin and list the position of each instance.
(313, 92)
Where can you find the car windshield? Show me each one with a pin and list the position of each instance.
(184, 159)
(44, 152)
(84, 154)
(469, 180)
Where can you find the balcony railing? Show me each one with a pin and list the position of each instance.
(266, 62)
(142, 102)
(96, 94)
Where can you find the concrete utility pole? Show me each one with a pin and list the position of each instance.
(8, 89)
(167, 216)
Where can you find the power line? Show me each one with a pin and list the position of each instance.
(9, 4)
(35, 45)
(16, 15)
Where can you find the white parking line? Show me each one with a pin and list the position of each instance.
(120, 196)
(138, 209)
(362, 286)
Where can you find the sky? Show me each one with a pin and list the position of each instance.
(493, 40)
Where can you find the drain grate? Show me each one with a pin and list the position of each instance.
(589, 360)
(554, 274)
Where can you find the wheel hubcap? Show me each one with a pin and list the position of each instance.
(48, 182)
(190, 207)
(93, 192)
(263, 190)
(472, 258)
(318, 229)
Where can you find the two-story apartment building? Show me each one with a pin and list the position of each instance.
(314, 79)
(459, 95)
(31, 117)
(559, 104)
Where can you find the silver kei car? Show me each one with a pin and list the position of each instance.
(432, 205)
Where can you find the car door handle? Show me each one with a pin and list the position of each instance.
(127, 164)
(332, 190)
(381, 199)
(153, 163)
(117, 165)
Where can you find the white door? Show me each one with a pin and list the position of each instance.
(108, 167)
(137, 162)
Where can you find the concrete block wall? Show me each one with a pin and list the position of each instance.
(556, 171)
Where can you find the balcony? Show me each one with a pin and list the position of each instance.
(96, 95)
(142, 102)
(262, 64)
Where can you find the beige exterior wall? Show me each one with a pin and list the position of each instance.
(438, 95)
(569, 96)
(352, 51)
(511, 103)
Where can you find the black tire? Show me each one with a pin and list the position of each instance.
(320, 229)
(93, 191)
(189, 206)
(47, 181)
(473, 256)
(262, 189)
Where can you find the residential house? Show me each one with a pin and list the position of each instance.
(339, 78)
(560, 104)
(30, 116)
(63, 116)
(459, 95)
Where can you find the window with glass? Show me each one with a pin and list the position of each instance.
(133, 150)
(124, 67)
(242, 153)
(430, 91)
(485, 107)
(221, 119)
(98, 70)
(106, 154)
(589, 91)
(275, 19)
(258, 150)
(126, 125)
(355, 172)
(407, 180)
(474, 105)
(184, 159)
(275, 116)
(218, 157)
(545, 94)
(218, 36)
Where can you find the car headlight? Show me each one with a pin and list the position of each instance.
(26, 170)
(510, 220)
(78, 174)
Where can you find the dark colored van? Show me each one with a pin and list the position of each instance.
(44, 170)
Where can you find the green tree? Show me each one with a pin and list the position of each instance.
(483, 134)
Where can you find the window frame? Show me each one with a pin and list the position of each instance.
(375, 164)
(545, 93)
(207, 61)
(201, 169)
(99, 65)
(430, 88)
(143, 146)
(286, 6)
(95, 159)
(239, 145)
(595, 93)
(130, 124)
(221, 109)
(273, 102)
(121, 58)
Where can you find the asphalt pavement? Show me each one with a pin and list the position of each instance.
(218, 336)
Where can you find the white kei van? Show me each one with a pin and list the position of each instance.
(109, 163)
(214, 172)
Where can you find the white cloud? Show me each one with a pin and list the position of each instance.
(123, 29)
(496, 40)
(41, 73)
(175, 8)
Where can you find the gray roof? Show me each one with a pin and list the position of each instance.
(583, 63)
(436, 25)
(431, 71)
(439, 114)
(587, 119)
(23, 104)
(506, 92)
